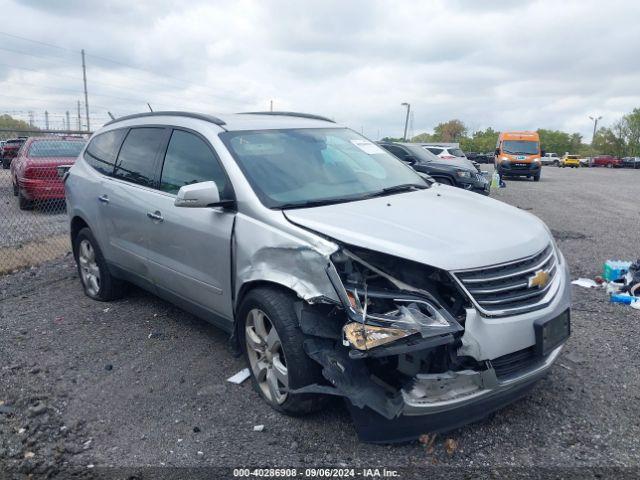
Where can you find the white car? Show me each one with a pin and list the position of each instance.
(446, 152)
(550, 159)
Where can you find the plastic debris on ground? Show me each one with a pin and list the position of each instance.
(585, 283)
(258, 428)
(621, 281)
(239, 377)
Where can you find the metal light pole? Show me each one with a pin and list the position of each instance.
(406, 120)
(86, 95)
(595, 126)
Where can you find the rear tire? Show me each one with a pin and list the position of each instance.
(263, 310)
(97, 281)
(6, 163)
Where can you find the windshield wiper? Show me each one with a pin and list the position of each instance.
(405, 187)
(316, 203)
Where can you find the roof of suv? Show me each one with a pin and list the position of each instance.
(243, 121)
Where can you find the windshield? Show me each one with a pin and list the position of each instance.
(55, 148)
(522, 147)
(299, 167)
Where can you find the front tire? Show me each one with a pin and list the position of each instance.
(445, 181)
(273, 348)
(536, 178)
(23, 202)
(6, 163)
(97, 281)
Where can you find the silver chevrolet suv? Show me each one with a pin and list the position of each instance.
(336, 269)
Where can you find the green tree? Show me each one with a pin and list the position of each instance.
(423, 138)
(451, 131)
(606, 142)
(631, 132)
(480, 141)
(7, 121)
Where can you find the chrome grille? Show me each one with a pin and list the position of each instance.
(506, 288)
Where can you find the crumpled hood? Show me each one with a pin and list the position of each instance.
(445, 227)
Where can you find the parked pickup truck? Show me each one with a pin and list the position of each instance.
(608, 161)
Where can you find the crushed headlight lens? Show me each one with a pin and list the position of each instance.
(365, 337)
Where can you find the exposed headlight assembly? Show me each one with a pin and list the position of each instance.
(463, 174)
(379, 316)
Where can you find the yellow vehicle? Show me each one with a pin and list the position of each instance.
(572, 161)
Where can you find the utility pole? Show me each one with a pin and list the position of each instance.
(406, 120)
(79, 120)
(271, 106)
(86, 96)
(68, 122)
(595, 126)
(31, 118)
(46, 119)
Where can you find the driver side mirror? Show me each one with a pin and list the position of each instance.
(200, 195)
(542, 153)
(497, 152)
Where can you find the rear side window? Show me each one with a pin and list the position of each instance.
(103, 149)
(456, 152)
(190, 160)
(136, 161)
(397, 151)
(55, 148)
(435, 151)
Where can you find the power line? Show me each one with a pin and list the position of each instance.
(118, 62)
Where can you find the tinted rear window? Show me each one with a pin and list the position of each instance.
(103, 149)
(435, 151)
(136, 161)
(456, 152)
(55, 148)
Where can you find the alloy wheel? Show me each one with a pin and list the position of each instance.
(88, 267)
(266, 356)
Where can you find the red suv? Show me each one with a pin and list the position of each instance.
(35, 170)
(606, 161)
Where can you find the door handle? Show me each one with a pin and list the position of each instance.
(156, 216)
(104, 198)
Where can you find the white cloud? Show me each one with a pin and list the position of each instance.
(506, 64)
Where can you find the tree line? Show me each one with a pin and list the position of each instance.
(7, 121)
(621, 139)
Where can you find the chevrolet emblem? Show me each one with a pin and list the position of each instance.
(539, 279)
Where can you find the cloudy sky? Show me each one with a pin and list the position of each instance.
(502, 63)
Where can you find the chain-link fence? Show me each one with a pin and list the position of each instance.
(33, 224)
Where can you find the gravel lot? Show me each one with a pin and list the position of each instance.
(140, 383)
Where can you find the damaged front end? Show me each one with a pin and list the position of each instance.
(391, 348)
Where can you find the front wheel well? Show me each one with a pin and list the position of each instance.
(77, 224)
(244, 290)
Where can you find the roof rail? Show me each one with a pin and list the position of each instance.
(291, 114)
(199, 116)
